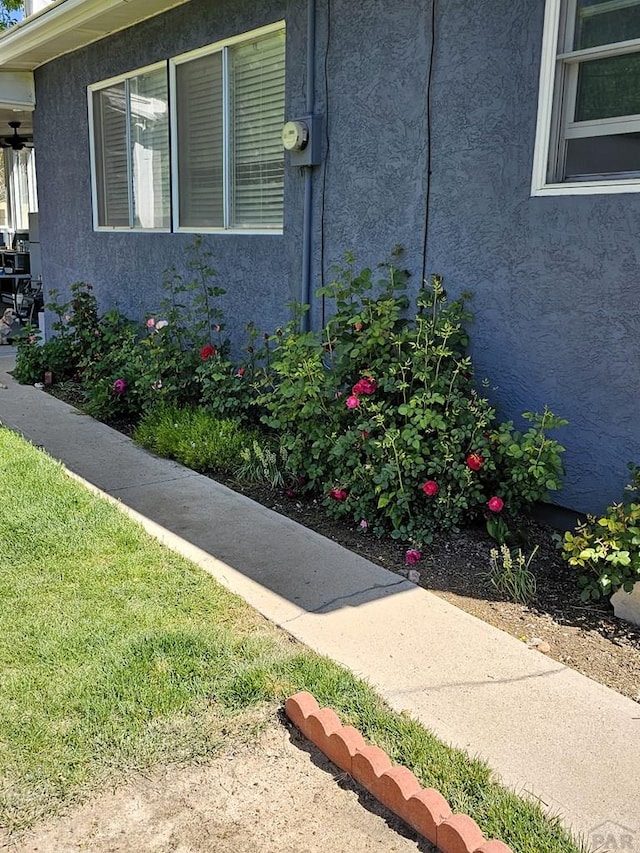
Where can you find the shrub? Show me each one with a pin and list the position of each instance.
(194, 437)
(58, 358)
(233, 390)
(29, 367)
(33, 359)
(606, 550)
(186, 331)
(384, 410)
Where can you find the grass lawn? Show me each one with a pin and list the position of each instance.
(116, 654)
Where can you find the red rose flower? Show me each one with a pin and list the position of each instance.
(207, 351)
(366, 385)
(495, 504)
(412, 557)
(430, 488)
(475, 461)
(338, 494)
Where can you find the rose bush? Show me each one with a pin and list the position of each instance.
(383, 402)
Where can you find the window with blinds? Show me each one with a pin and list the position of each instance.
(224, 168)
(257, 113)
(131, 152)
(230, 111)
(110, 135)
(200, 142)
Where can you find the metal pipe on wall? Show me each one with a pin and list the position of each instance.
(307, 213)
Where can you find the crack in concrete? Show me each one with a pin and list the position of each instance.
(342, 598)
(112, 490)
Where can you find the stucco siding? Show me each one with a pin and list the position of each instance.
(557, 314)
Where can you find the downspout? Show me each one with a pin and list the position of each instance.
(307, 212)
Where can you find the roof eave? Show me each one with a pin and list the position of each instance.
(69, 25)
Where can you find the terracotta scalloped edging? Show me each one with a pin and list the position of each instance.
(424, 809)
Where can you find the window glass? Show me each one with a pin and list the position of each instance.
(200, 142)
(603, 156)
(149, 111)
(110, 133)
(608, 87)
(605, 22)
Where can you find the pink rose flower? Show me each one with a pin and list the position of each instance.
(352, 402)
(119, 387)
(412, 556)
(151, 322)
(338, 494)
(430, 488)
(364, 524)
(495, 504)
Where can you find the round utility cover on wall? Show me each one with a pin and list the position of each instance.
(295, 135)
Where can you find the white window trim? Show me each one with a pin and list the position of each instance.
(96, 87)
(546, 95)
(216, 47)
(173, 62)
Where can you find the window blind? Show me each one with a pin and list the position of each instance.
(110, 132)
(199, 106)
(257, 71)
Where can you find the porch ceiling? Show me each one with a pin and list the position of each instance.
(59, 28)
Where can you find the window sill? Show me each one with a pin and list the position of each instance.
(108, 229)
(247, 232)
(588, 188)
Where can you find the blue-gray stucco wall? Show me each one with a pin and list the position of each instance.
(557, 314)
(557, 320)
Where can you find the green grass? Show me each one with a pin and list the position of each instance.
(116, 654)
(195, 437)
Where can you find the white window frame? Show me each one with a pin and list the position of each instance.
(96, 87)
(216, 47)
(557, 89)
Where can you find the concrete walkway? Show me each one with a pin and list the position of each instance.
(545, 728)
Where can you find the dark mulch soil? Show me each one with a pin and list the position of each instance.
(587, 638)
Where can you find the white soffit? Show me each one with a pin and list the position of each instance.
(68, 25)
